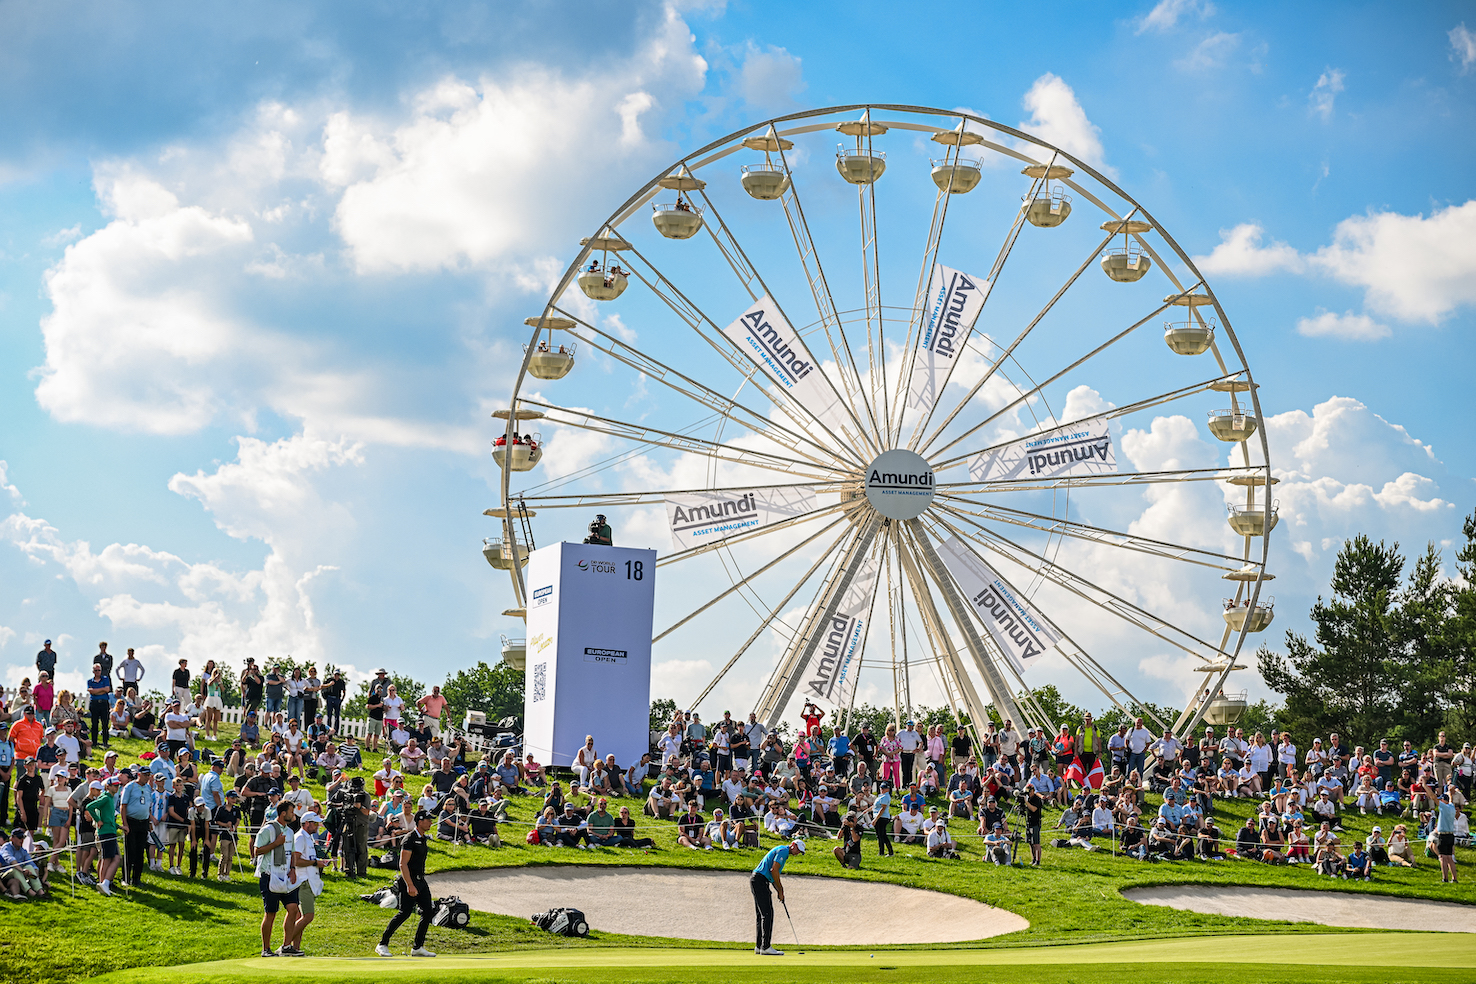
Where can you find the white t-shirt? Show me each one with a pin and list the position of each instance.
(1286, 754)
(1008, 742)
(71, 746)
(392, 706)
(910, 739)
(911, 820)
(269, 832)
(938, 836)
(1259, 757)
(1138, 740)
(176, 726)
(307, 848)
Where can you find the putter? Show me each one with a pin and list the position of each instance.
(791, 921)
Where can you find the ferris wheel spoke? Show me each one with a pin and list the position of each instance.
(852, 387)
(744, 536)
(615, 499)
(681, 383)
(768, 621)
(1038, 387)
(1242, 473)
(1147, 403)
(698, 321)
(1085, 589)
(1094, 534)
(1010, 350)
(871, 289)
(656, 438)
(743, 582)
(919, 312)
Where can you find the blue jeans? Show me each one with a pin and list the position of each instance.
(294, 709)
(1135, 762)
(273, 704)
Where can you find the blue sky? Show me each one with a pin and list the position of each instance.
(262, 273)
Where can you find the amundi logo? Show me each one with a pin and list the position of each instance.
(900, 484)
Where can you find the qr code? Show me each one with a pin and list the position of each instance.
(540, 680)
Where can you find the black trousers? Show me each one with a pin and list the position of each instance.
(97, 712)
(883, 830)
(908, 759)
(333, 713)
(408, 905)
(135, 850)
(763, 911)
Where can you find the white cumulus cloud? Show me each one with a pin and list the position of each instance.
(1166, 14)
(1241, 253)
(771, 77)
(1057, 118)
(1347, 326)
(1463, 46)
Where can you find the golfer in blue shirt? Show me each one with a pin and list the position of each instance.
(765, 875)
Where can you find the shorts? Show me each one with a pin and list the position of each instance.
(1445, 844)
(214, 703)
(1032, 835)
(58, 817)
(176, 835)
(376, 728)
(109, 845)
(306, 901)
(86, 839)
(270, 900)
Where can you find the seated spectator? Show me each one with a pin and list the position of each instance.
(692, 829)
(507, 771)
(1326, 810)
(1359, 864)
(663, 802)
(779, 821)
(1330, 862)
(850, 833)
(908, 826)
(1298, 845)
(436, 752)
(1209, 837)
(722, 832)
(997, 845)
(533, 771)
(1134, 843)
(625, 828)
(547, 828)
(1273, 843)
(1162, 840)
(1400, 852)
(572, 829)
(412, 758)
(452, 825)
(600, 826)
(20, 876)
(940, 843)
(250, 731)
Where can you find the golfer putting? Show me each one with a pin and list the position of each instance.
(768, 875)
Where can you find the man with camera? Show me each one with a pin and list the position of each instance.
(352, 803)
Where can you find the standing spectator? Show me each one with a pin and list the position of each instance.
(1088, 743)
(180, 680)
(104, 813)
(275, 685)
(374, 708)
(176, 728)
(393, 704)
(99, 689)
(840, 752)
(131, 671)
(312, 688)
(863, 746)
(962, 747)
(26, 736)
(890, 750)
(44, 697)
(913, 744)
(46, 660)
(1463, 768)
(431, 705)
(1259, 757)
(1117, 748)
(295, 687)
(1442, 755)
(134, 811)
(1286, 756)
(333, 693)
(104, 659)
(252, 687)
(937, 747)
(1445, 818)
(1139, 739)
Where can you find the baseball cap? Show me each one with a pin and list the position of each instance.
(274, 791)
(47, 642)
(232, 794)
(199, 801)
(311, 817)
(798, 845)
(95, 785)
(424, 815)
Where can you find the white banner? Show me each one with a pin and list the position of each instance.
(830, 675)
(702, 517)
(955, 300)
(1018, 629)
(770, 341)
(1082, 448)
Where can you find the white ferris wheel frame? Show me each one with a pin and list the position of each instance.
(818, 465)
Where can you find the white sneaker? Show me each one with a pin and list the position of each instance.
(175, 871)
(756, 950)
(383, 950)
(105, 888)
(771, 952)
(421, 951)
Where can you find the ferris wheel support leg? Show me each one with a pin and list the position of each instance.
(999, 692)
(784, 683)
(955, 678)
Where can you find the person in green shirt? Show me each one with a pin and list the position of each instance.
(104, 813)
(601, 825)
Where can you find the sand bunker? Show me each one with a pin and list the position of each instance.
(1329, 908)
(717, 905)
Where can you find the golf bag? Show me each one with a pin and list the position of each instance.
(451, 912)
(562, 922)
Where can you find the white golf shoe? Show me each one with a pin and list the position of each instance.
(771, 952)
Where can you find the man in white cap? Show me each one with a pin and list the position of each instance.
(309, 876)
(765, 877)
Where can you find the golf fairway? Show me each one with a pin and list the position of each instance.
(1371, 957)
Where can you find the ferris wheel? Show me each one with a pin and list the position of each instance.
(894, 418)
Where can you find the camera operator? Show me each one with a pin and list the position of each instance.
(848, 851)
(353, 805)
(600, 532)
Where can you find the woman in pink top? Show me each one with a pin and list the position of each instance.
(44, 694)
(890, 750)
(937, 747)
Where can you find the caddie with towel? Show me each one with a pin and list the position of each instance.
(276, 871)
(765, 876)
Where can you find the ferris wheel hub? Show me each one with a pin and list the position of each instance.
(899, 484)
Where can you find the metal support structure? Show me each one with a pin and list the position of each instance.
(999, 693)
(955, 678)
(786, 679)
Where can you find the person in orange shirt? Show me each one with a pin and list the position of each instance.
(26, 734)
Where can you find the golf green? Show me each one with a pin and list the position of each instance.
(1326, 958)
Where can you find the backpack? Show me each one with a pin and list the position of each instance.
(562, 922)
(451, 912)
(533, 838)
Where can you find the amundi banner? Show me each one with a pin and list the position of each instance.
(697, 518)
(1016, 627)
(764, 335)
(1082, 448)
(955, 300)
(830, 674)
